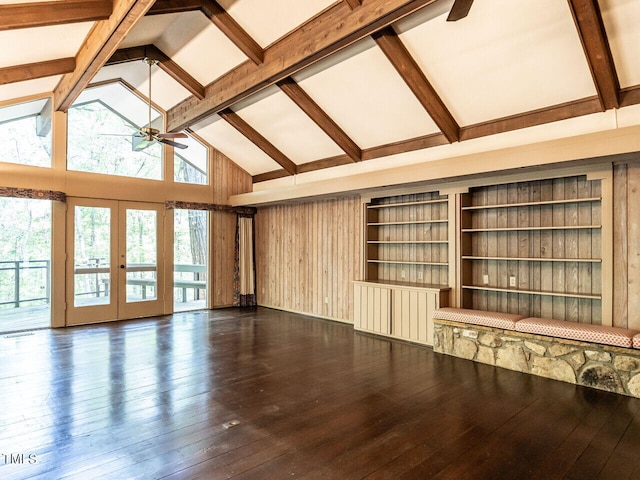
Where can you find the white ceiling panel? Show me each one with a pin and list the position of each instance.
(367, 97)
(149, 29)
(266, 22)
(165, 91)
(32, 45)
(505, 58)
(288, 128)
(234, 145)
(30, 87)
(198, 46)
(622, 23)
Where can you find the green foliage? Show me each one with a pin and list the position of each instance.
(99, 141)
(20, 144)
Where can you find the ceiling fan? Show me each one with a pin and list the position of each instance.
(460, 9)
(147, 136)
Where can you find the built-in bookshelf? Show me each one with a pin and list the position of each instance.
(407, 239)
(533, 248)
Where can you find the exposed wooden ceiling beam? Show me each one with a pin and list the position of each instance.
(30, 71)
(165, 63)
(459, 10)
(262, 143)
(41, 14)
(401, 59)
(101, 42)
(320, 117)
(353, 4)
(162, 7)
(588, 20)
(233, 31)
(332, 30)
(555, 113)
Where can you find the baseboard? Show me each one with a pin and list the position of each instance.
(324, 317)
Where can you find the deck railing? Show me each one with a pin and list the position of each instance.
(18, 269)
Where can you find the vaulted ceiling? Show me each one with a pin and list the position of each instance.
(287, 87)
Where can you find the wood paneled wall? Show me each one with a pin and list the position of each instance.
(626, 245)
(307, 256)
(228, 179)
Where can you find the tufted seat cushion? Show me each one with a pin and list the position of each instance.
(504, 321)
(636, 341)
(619, 337)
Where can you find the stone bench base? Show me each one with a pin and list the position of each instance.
(592, 365)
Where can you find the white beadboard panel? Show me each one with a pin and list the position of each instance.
(365, 95)
(234, 145)
(30, 45)
(505, 58)
(288, 128)
(266, 22)
(622, 19)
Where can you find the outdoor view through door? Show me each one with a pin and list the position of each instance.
(25, 264)
(117, 260)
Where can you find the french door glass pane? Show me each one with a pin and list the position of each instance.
(92, 256)
(190, 257)
(141, 255)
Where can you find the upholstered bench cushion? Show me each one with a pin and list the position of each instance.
(619, 337)
(636, 341)
(504, 321)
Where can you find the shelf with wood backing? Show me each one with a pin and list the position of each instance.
(406, 204)
(533, 259)
(533, 204)
(529, 247)
(532, 229)
(409, 222)
(406, 238)
(410, 242)
(413, 262)
(590, 296)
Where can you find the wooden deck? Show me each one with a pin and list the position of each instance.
(25, 318)
(158, 398)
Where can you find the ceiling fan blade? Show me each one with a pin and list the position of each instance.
(140, 143)
(173, 144)
(459, 10)
(172, 135)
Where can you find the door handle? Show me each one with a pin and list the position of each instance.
(122, 266)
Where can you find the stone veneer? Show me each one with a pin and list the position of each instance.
(603, 367)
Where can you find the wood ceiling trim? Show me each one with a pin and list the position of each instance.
(100, 44)
(263, 177)
(332, 30)
(393, 48)
(410, 145)
(353, 4)
(555, 113)
(541, 116)
(30, 71)
(42, 14)
(630, 96)
(233, 31)
(262, 143)
(588, 20)
(320, 117)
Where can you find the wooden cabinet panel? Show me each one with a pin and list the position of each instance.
(398, 310)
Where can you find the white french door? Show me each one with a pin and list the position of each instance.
(114, 260)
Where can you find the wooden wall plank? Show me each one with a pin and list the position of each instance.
(317, 244)
(620, 259)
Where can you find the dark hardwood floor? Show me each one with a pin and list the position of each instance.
(312, 399)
